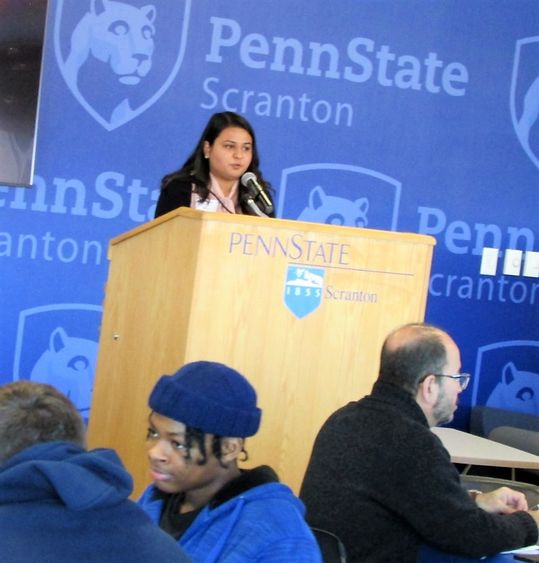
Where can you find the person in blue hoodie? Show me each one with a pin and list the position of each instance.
(60, 503)
(217, 512)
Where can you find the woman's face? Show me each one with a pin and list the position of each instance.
(230, 155)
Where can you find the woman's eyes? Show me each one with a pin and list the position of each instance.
(178, 445)
(246, 148)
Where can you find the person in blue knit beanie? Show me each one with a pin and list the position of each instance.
(199, 419)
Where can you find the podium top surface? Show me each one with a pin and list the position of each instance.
(249, 220)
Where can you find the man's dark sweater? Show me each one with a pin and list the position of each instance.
(384, 483)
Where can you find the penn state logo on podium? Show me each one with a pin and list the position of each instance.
(524, 100)
(118, 58)
(303, 289)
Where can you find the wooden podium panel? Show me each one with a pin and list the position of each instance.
(238, 289)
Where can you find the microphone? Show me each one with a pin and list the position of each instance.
(250, 202)
(249, 181)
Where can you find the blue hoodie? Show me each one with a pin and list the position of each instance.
(264, 524)
(62, 504)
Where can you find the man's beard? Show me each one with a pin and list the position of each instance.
(442, 411)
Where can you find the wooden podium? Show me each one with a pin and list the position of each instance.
(301, 309)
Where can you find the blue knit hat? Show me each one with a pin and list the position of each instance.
(209, 396)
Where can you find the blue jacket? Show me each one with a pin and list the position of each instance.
(61, 504)
(265, 524)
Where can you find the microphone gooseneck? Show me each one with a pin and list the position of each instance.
(249, 180)
(249, 201)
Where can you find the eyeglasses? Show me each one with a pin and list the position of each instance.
(462, 378)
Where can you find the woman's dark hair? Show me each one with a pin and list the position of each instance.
(196, 168)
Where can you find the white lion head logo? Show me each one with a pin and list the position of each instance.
(525, 95)
(105, 52)
(68, 363)
(116, 34)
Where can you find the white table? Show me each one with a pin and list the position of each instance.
(474, 450)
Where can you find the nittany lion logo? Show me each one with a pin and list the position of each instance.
(333, 210)
(57, 344)
(68, 363)
(339, 194)
(118, 58)
(516, 390)
(525, 96)
(506, 376)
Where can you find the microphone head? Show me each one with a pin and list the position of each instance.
(247, 178)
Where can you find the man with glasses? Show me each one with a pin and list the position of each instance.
(384, 483)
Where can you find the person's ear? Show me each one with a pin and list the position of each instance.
(231, 448)
(206, 148)
(427, 392)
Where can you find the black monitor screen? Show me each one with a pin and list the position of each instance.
(22, 26)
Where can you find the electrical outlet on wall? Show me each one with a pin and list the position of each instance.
(489, 262)
(512, 262)
(531, 264)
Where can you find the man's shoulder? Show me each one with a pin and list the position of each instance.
(365, 410)
(350, 411)
(370, 421)
(118, 533)
(142, 536)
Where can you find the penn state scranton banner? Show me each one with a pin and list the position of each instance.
(418, 116)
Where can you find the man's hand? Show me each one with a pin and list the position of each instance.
(502, 501)
(534, 513)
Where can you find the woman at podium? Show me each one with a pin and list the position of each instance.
(221, 174)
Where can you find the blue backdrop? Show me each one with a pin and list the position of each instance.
(417, 116)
